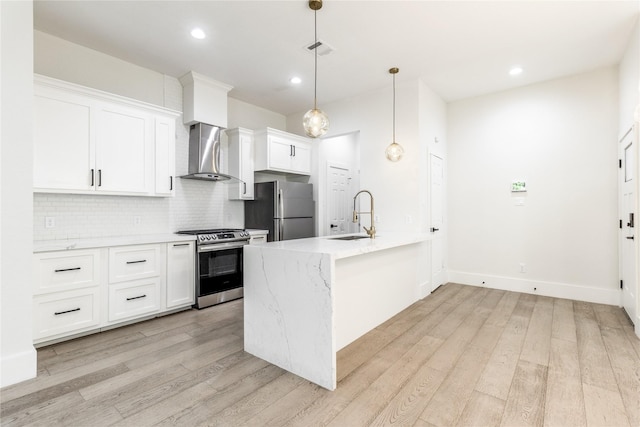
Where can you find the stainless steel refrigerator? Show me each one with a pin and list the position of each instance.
(286, 209)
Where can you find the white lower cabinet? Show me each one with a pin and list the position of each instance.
(65, 313)
(81, 291)
(180, 274)
(133, 299)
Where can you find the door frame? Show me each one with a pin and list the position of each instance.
(329, 164)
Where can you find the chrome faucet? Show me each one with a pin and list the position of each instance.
(371, 231)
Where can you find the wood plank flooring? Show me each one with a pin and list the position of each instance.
(462, 356)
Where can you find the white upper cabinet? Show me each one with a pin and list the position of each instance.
(279, 151)
(240, 161)
(64, 155)
(124, 150)
(165, 156)
(91, 142)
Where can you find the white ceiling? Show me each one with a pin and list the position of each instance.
(458, 48)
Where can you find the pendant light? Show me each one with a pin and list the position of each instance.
(394, 151)
(315, 122)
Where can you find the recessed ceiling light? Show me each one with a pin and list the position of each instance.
(197, 33)
(515, 71)
(295, 80)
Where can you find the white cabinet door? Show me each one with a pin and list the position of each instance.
(65, 270)
(165, 129)
(301, 159)
(134, 262)
(280, 153)
(241, 164)
(124, 150)
(63, 154)
(134, 299)
(64, 313)
(180, 274)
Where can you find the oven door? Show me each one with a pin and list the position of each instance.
(220, 268)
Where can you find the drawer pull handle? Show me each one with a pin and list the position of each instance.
(180, 244)
(67, 269)
(58, 313)
(136, 262)
(138, 297)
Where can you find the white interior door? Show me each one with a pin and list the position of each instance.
(338, 207)
(627, 202)
(438, 273)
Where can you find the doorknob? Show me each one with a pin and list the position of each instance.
(630, 237)
(433, 229)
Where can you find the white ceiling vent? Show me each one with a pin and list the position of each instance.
(322, 47)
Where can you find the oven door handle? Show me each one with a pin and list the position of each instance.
(222, 246)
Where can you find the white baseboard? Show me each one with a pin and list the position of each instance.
(550, 289)
(18, 367)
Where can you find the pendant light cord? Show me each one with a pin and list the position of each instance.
(315, 61)
(394, 108)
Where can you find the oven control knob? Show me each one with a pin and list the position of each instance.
(214, 237)
(208, 237)
(201, 238)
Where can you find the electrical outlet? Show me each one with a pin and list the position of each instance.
(523, 267)
(136, 220)
(376, 218)
(408, 219)
(49, 222)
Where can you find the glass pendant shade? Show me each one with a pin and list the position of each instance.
(315, 123)
(394, 152)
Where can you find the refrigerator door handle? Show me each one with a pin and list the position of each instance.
(281, 208)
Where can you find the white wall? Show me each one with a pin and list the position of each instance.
(629, 77)
(18, 357)
(560, 137)
(196, 204)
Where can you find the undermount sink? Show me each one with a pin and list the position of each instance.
(349, 237)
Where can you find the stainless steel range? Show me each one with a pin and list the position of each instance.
(219, 265)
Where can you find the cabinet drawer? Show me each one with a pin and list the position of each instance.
(62, 271)
(129, 300)
(133, 262)
(61, 313)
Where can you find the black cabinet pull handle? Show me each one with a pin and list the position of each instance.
(433, 229)
(180, 244)
(294, 150)
(138, 297)
(99, 177)
(66, 269)
(244, 188)
(291, 151)
(92, 177)
(136, 262)
(58, 313)
(171, 183)
(630, 237)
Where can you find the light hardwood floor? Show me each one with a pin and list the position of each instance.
(462, 356)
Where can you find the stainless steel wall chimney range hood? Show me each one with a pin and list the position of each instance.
(204, 153)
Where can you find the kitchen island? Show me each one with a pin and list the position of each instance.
(306, 299)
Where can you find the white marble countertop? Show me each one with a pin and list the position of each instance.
(348, 248)
(100, 242)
